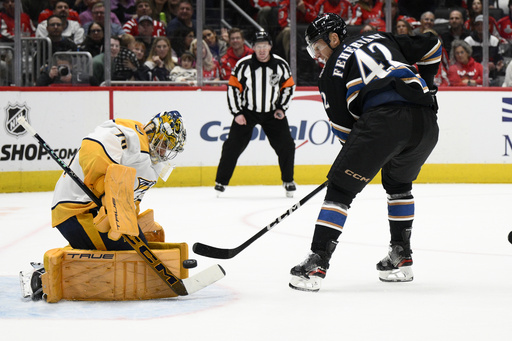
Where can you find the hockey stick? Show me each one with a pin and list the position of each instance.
(181, 287)
(214, 252)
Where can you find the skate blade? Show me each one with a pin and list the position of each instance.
(311, 284)
(289, 194)
(403, 274)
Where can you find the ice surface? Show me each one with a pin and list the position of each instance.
(462, 288)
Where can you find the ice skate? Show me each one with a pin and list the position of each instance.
(397, 265)
(290, 188)
(30, 281)
(308, 275)
(219, 188)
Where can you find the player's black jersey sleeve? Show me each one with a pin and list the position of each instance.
(423, 50)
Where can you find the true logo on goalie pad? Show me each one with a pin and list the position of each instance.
(12, 113)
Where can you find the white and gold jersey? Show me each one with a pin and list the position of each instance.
(119, 141)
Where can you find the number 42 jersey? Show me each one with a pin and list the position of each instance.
(377, 69)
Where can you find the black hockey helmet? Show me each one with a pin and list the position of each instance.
(322, 26)
(261, 36)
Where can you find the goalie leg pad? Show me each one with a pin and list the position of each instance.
(92, 275)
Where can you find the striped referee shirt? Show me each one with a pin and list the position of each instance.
(260, 87)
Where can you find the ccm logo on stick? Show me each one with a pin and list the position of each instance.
(356, 176)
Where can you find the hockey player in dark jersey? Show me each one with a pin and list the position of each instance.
(383, 110)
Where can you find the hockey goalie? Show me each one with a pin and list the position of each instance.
(119, 162)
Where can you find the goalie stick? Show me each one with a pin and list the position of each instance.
(214, 252)
(181, 287)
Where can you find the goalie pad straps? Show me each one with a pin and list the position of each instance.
(119, 201)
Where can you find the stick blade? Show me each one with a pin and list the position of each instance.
(204, 278)
(211, 251)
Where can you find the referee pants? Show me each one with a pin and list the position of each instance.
(278, 133)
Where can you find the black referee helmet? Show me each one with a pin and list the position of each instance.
(261, 36)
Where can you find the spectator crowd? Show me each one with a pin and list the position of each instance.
(155, 40)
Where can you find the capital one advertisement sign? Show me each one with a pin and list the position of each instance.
(475, 127)
(207, 120)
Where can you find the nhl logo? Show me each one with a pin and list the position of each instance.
(274, 79)
(13, 111)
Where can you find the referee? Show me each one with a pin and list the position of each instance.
(259, 92)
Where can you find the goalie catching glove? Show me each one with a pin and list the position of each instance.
(118, 216)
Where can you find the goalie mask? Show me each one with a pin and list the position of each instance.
(166, 135)
(320, 29)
